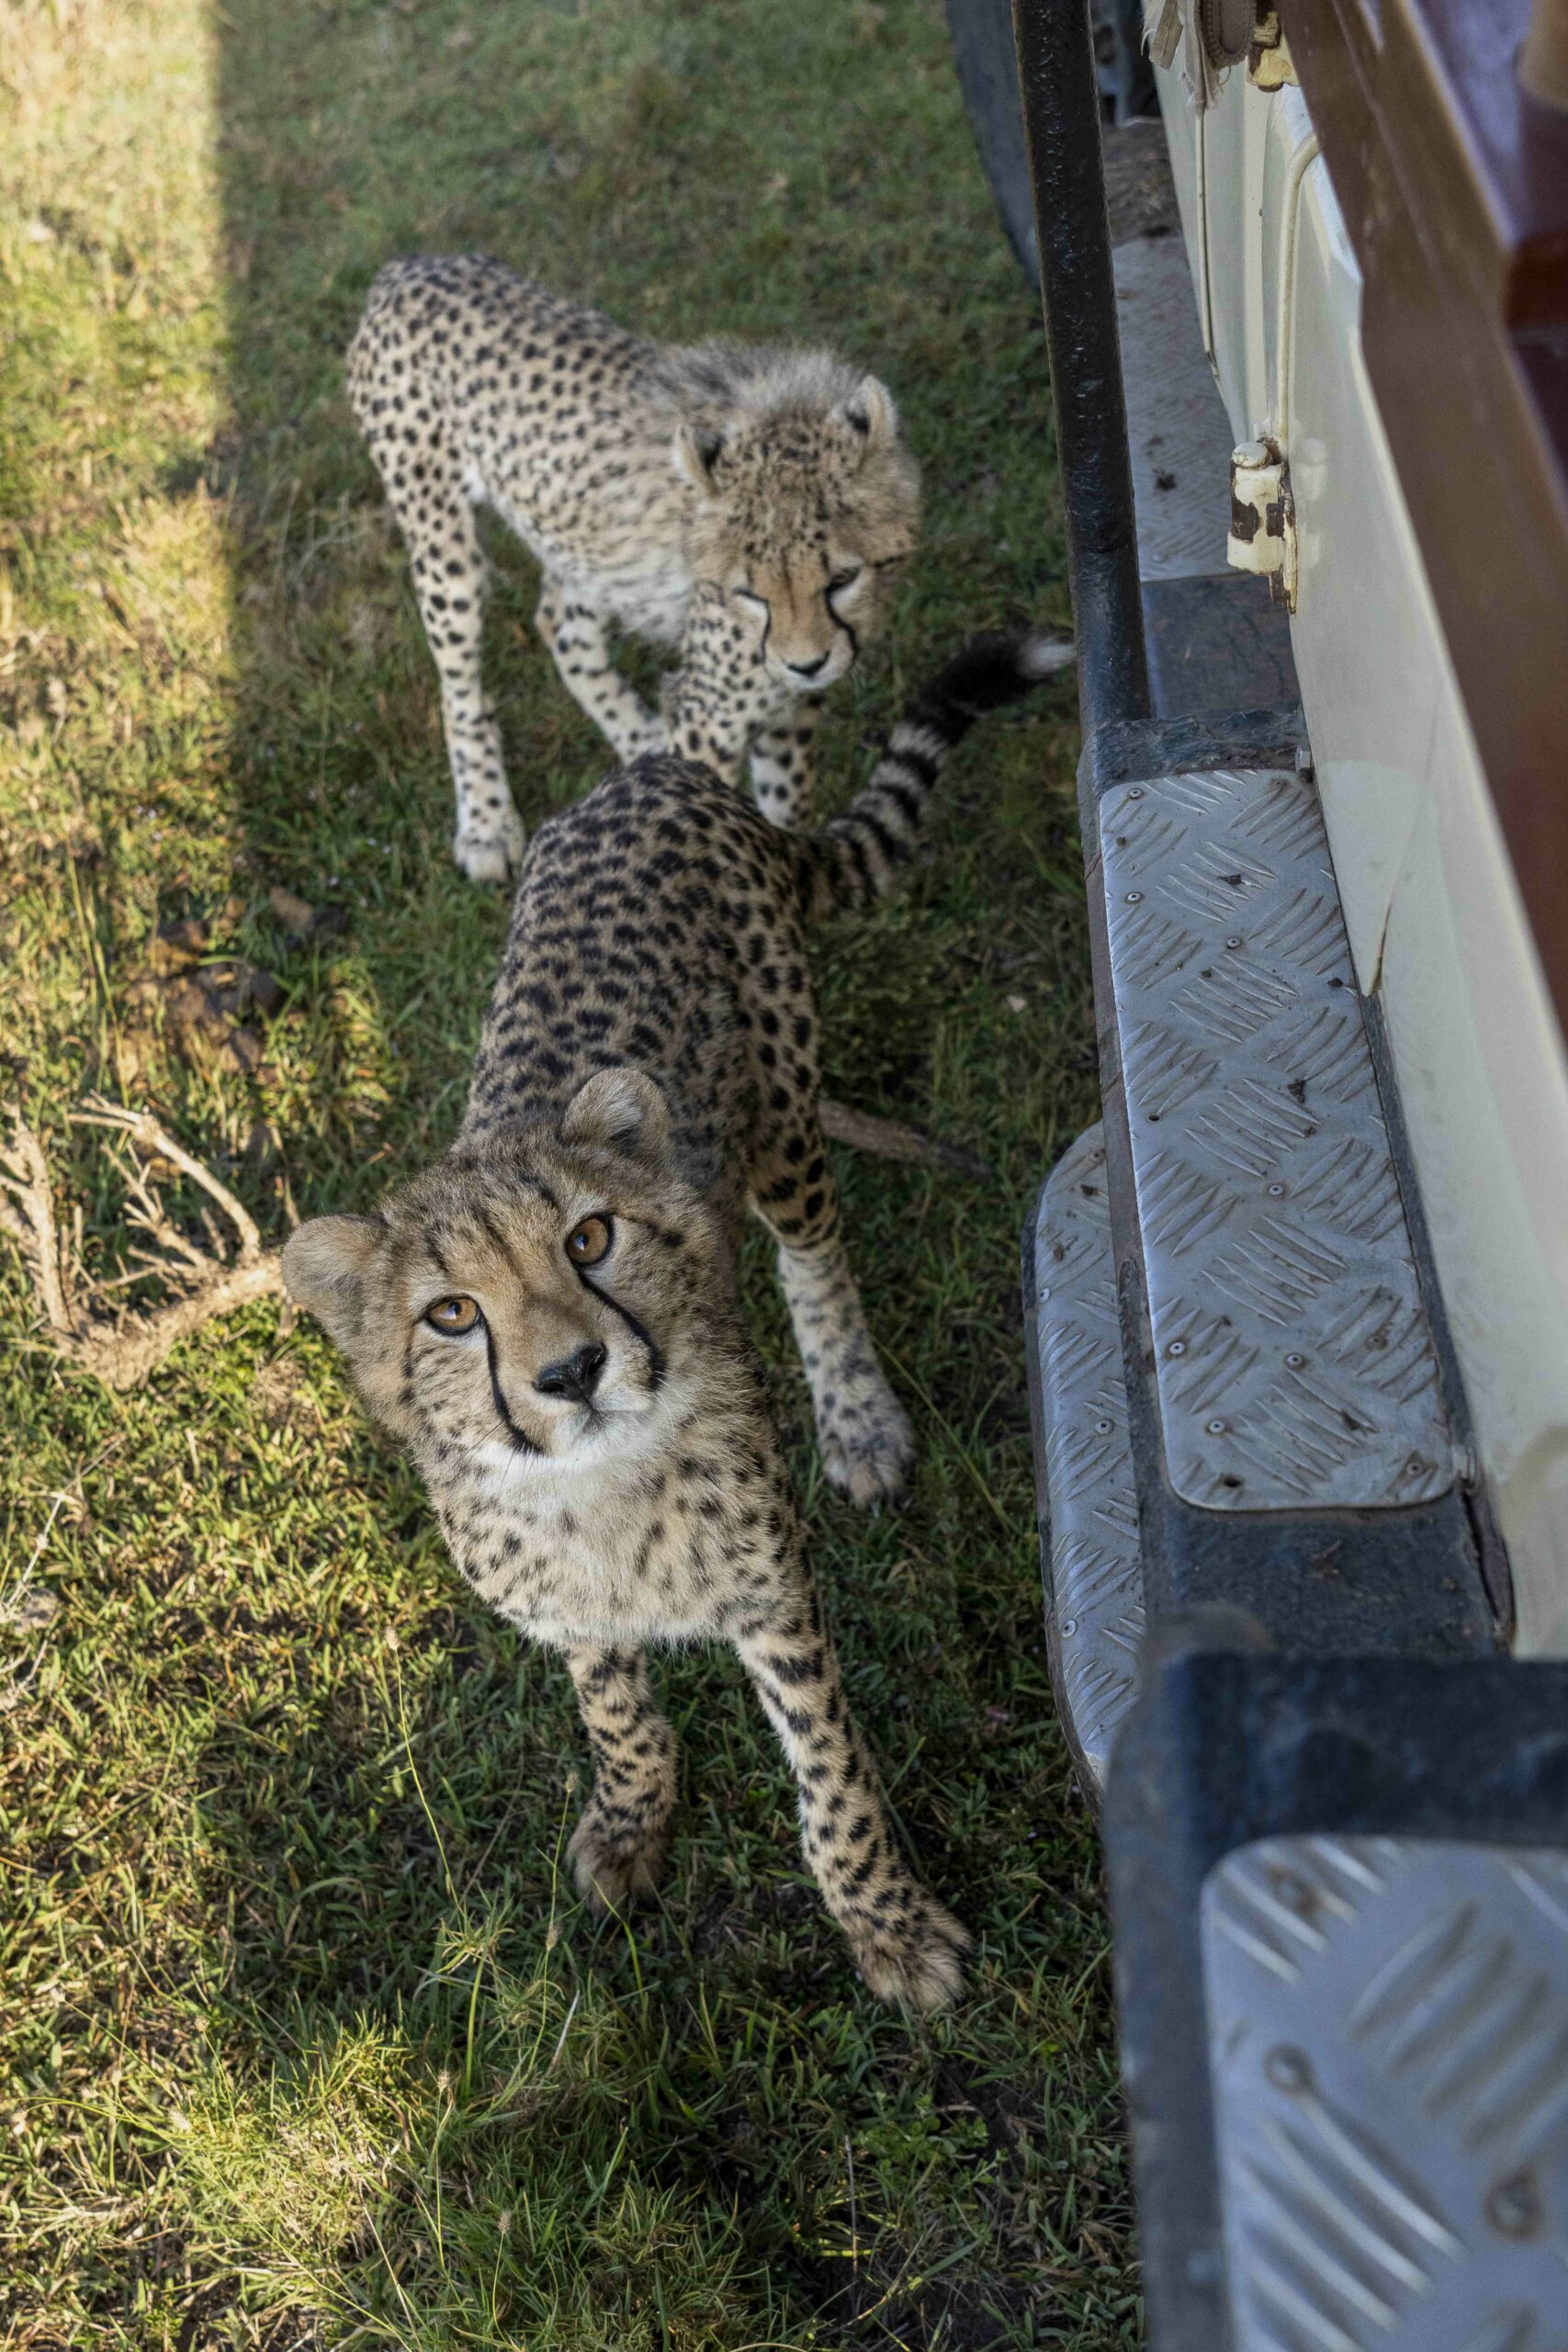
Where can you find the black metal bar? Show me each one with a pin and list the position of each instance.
(1061, 116)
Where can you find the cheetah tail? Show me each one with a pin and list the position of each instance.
(852, 859)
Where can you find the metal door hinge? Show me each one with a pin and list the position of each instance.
(1268, 65)
(1209, 36)
(1262, 535)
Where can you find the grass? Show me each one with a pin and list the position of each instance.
(303, 2039)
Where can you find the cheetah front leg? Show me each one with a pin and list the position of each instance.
(618, 1848)
(580, 649)
(716, 701)
(448, 563)
(781, 765)
(867, 1444)
(907, 1947)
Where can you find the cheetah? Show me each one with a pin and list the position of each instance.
(550, 1317)
(752, 505)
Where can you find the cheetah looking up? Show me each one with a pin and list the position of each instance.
(550, 1318)
(749, 504)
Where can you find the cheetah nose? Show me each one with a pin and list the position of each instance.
(575, 1376)
(807, 669)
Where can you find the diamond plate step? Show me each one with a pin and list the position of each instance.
(1388, 2059)
(1297, 1428)
(1340, 1896)
(1292, 1358)
(1094, 1582)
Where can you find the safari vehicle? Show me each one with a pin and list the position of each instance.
(1298, 1308)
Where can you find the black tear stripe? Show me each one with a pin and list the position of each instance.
(520, 1438)
(638, 1330)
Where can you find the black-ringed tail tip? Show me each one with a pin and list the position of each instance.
(854, 857)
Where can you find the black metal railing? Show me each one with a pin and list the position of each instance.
(1062, 123)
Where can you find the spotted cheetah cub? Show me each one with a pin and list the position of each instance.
(549, 1320)
(749, 504)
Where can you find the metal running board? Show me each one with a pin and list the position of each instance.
(1239, 1400)
(1179, 437)
(1094, 1584)
(1298, 1457)
(1336, 1829)
(1334, 1826)
(1215, 639)
(1293, 1359)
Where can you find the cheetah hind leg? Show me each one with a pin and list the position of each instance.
(908, 1949)
(617, 1850)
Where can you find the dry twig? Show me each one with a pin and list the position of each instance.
(123, 1345)
(890, 1139)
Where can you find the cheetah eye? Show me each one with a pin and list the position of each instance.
(453, 1316)
(588, 1241)
(845, 577)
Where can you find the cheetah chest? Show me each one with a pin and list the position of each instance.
(651, 1551)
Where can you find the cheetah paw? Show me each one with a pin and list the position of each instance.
(868, 1451)
(494, 853)
(613, 1867)
(919, 1963)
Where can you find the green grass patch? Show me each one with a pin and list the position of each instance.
(304, 2038)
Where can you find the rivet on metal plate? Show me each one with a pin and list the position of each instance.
(1288, 2070)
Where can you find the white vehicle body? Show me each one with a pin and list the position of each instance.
(1438, 930)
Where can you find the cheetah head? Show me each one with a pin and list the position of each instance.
(545, 1291)
(805, 512)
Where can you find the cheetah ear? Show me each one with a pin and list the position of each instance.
(623, 1108)
(694, 452)
(325, 1266)
(869, 411)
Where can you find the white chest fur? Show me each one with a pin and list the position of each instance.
(592, 1547)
